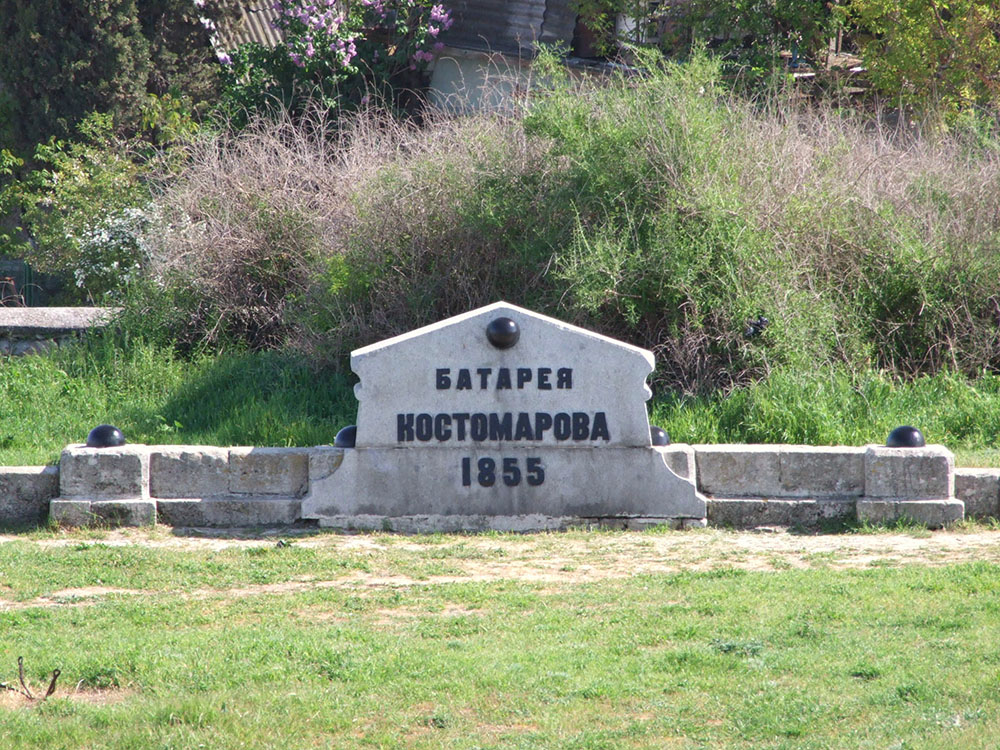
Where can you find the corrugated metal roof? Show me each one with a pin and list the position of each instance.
(254, 25)
(512, 27)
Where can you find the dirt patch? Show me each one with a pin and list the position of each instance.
(12, 700)
(553, 560)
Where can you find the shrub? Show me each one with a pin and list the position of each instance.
(81, 191)
(941, 58)
(660, 209)
(337, 56)
(60, 61)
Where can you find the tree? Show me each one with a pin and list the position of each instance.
(940, 56)
(61, 59)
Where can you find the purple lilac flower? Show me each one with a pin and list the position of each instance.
(224, 58)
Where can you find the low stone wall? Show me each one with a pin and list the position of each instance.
(745, 485)
(33, 330)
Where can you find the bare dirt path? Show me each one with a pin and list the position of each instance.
(557, 559)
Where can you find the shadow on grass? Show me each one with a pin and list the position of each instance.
(263, 399)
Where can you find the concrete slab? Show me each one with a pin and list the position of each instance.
(738, 470)
(104, 473)
(744, 513)
(909, 473)
(932, 513)
(268, 471)
(185, 471)
(979, 490)
(25, 492)
(229, 511)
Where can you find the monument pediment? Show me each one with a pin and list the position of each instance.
(446, 383)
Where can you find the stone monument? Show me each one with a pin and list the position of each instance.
(502, 418)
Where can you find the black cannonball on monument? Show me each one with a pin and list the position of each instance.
(658, 435)
(105, 436)
(503, 333)
(347, 437)
(905, 437)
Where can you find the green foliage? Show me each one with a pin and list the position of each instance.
(60, 61)
(751, 34)
(834, 407)
(335, 58)
(942, 58)
(82, 193)
(157, 397)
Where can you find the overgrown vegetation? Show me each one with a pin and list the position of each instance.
(660, 209)
(761, 246)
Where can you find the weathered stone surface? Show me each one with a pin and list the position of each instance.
(909, 473)
(564, 370)
(104, 473)
(742, 513)
(51, 322)
(979, 490)
(268, 471)
(124, 512)
(103, 512)
(578, 483)
(738, 470)
(323, 461)
(25, 492)
(177, 471)
(932, 513)
(71, 512)
(680, 459)
(231, 511)
(808, 471)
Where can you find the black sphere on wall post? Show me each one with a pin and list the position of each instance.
(905, 437)
(105, 436)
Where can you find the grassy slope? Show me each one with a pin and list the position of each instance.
(47, 402)
(278, 399)
(811, 658)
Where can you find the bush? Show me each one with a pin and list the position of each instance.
(940, 58)
(733, 238)
(336, 57)
(81, 212)
(60, 61)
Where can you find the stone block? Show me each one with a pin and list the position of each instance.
(932, 513)
(680, 459)
(103, 512)
(979, 490)
(188, 471)
(268, 471)
(323, 461)
(513, 483)
(71, 512)
(745, 513)
(104, 473)
(124, 512)
(738, 470)
(909, 473)
(808, 471)
(231, 511)
(25, 492)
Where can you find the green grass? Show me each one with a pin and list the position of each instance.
(814, 658)
(47, 402)
(828, 407)
(280, 399)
